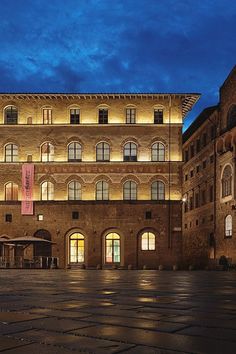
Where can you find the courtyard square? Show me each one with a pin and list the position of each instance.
(117, 311)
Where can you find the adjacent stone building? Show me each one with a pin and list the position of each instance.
(107, 186)
(209, 189)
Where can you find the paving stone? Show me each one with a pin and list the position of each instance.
(69, 341)
(39, 349)
(61, 313)
(7, 343)
(12, 317)
(148, 350)
(161, 340)
(137, 323)
(217, 333)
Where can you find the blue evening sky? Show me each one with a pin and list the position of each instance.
(117, 46)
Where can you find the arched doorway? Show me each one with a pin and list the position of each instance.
(43, 249)
(112, 248)
(76, 248)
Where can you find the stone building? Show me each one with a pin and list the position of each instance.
(107, 170)
(209, 189)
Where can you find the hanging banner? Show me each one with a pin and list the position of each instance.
(27, 189)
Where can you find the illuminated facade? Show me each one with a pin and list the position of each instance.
(107, 175)
(209, 188)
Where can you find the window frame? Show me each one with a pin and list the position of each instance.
(150, 246)
(75, 148)
(103, 149)
(130, 190)
(130, 147)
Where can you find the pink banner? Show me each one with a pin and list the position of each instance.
(27, 189)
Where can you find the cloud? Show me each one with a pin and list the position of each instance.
(126, 46)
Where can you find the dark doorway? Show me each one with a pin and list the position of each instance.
(43, 249)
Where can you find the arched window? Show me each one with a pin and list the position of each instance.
(158, 152)
(130, 190)
(74, 152)
(103, 152)
(130, 152)
(47, 191)
(112, 248)
(158, 190)
(47, 152)
(231, 119)
(228, 226)
(226, 181)
(11, 191)
(11, 115)
(11, 153)
(74, 190)
(148, 241)
(102, 190)
(76, 248)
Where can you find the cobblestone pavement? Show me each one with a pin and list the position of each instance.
(117, 311)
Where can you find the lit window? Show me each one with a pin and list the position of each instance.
(112, 248)
(74, 152)
(11, 153)
(47, 191)
(102, 190)
(228, 226)
(76, 248)
(47, 152)
(130, 115)
(130, 152)
(226, 181)
(158, 152)
(40, 217)
(103, 152)
(11, 191)
(47, 116)
(130, 190)
(74, 190)
(103, 116)
(158, 190)
(148, 240)
(74, 116)
(10, 115)
(158, 116)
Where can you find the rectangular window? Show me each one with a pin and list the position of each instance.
(204, 139)
(196, 200)
(192, 150)
(186, 177)
(158, 116)
(204, 164)
(198, 168)
(40, 217)
(211, 158)
(191, 173)
(198, 145)
(186, 156)
(191, 203)
(47, 116)
(203, 197)
(74, 116)
(211, 194)
(103, 116)
(75, 215)
(196, 222)
(213, 132)
(148, 215)
(130, 116)
(8, 217)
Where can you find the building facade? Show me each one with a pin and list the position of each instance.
(209, 208)
(107, 187)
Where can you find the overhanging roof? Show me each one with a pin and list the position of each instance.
(188, 99)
